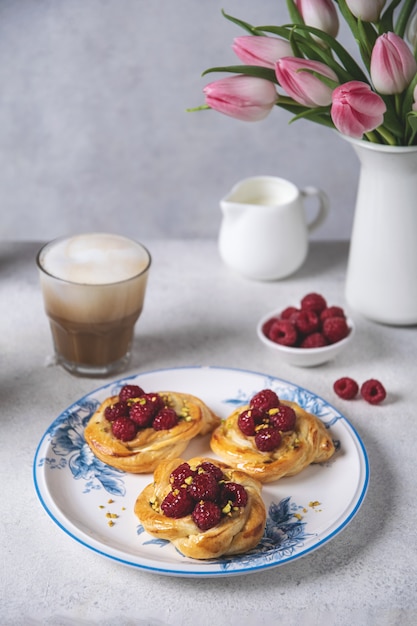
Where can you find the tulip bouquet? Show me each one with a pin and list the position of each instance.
(302, 68)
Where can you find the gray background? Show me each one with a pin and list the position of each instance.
(94, 133)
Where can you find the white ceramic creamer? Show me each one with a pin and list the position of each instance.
(264, 233)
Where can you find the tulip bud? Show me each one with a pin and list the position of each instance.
(320, 14)
(245, 98)
(393, 65)
(356, 109)
(297, 76)
(366, 10)
(264, 51)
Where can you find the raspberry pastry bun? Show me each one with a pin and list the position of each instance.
(271, 438)
(135, 430)
(202, 506)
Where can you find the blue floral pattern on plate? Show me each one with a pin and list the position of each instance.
(287, 533)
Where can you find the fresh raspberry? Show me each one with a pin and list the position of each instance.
(248, 420)
(180, 474)
(315, 340)
(124, 429)
(283, 417)
(210, 468)
(346, 388)
(264, 400)
(177, 503)
(306, 321)
(335, 329)
(155, 400)
(130, 391)
(283, 332)
(314, 301)
(143, 411)
(141, 414)
(206, 514)
(119, 409)
(267, 439)
(165, 419)
(204, 487)
(266, 327)
(373, 391)
(290, 310)
(332, 311)
(234, 493)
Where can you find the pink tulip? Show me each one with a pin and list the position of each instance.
(297, 76)
(356, 109)
(246, 98)
(365, 10)
(393, 65)
(320, 14)
(264, 51)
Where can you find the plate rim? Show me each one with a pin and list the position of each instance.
(38, 473)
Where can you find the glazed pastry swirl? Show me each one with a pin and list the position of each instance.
(235, 534)
(149, 447)
(308, 443)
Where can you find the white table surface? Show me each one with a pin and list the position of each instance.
(199, 313)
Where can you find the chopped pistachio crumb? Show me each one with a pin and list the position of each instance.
(110, 523)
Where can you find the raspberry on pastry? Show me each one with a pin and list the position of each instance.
(201, 520)
(155, 427)
(280, 445)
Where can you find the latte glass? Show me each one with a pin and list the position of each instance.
(93, 287)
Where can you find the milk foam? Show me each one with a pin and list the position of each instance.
(94, 259)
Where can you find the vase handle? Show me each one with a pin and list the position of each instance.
(323, 206)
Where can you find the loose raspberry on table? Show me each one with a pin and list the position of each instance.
(373, 391)
(335, 329)
(124, 429)
(165, 419)
(177, 503)
(315, 340)
(283, 417)
(306, 321)
(264, 400)
(234, 493)
(206, 514)
(180, 475)
(204, 487)
(267, 439)
(283, 332)
(346, 388)
(119, 409)
(248, 420)
(314, 301)
(130, 391)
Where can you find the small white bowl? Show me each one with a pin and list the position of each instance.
(304, 357)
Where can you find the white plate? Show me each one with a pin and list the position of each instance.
(84, 496)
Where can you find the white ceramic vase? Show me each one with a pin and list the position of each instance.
(381, 280)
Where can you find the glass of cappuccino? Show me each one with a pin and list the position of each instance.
(94, 288)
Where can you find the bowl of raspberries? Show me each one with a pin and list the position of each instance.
(309, 334)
